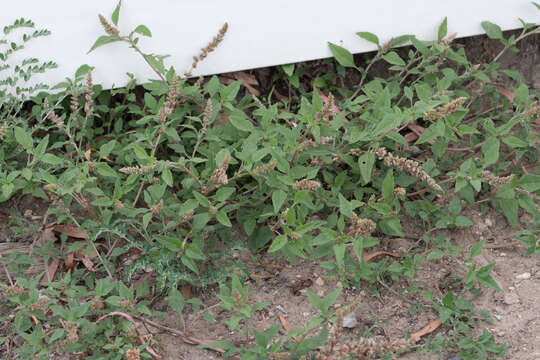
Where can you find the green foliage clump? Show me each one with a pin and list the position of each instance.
(176, 170)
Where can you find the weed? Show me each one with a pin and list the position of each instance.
(153, 183)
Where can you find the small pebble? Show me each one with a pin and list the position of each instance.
(281, 309)
(497, 316)
(511, 299)
(319, 281)
(524, 276)
(488, 222)
(349, 321)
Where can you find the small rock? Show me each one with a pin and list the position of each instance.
(524, 276)
(305, 314)
(319, 281)
(320, 293)
(281, 309)
(339, 284)
(497, 316)
(488, 222)
(349, 321)
(502, 254)
(511, 299)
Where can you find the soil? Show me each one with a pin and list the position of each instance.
(385, 311)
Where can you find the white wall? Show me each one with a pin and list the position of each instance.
(261, 33)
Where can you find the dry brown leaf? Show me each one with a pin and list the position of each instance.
(51, 270)
(428, 329)
(509, 94)
(69, 261)
(411, 137)
(368, 257)
(87, 262)
(71, 231)
(286, 324)
(47, 235)
(186, 291)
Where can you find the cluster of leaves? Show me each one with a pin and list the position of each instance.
(72, 315)
(169, 170)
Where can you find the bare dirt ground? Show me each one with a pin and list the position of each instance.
(515, 313)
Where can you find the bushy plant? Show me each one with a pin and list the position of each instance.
(175, 172)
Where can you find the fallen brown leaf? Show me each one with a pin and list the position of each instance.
(51, 269)
(71, 231)
(286, 324)
(428, 329)
(509, 94)
(47, 235)
(186, 291)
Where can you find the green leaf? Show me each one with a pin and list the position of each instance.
(51, 159)
(240, 122)
(463, 221)
(330, 299)
(476, 249)
(24, 138)
(490, 150)
(83, 70)
(484, 277)
(186, 260)
(339, 252)
(223, 219)
(388, 186)
(510, 210)
(102, 201)
(290, 217)
(103, 40)
(390, 226)
(106, 149)
(176, 300)
(369, 37)
(279, 242)
(116, 13)
(342, 55)
(514, 142)
(143, 30)
(167, 177)
(316, 301)
(345, 206)
(104, 169)
(288, 69)
(200, 221)
(278, 198)
(203, 200)
(443, 30)
(536, 4)
(530, 182)
(224, 193)
(170, 242)
(366, 162)
(492, 30)
(393, 58)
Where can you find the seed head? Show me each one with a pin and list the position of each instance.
(109, 29)
(304, 184)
